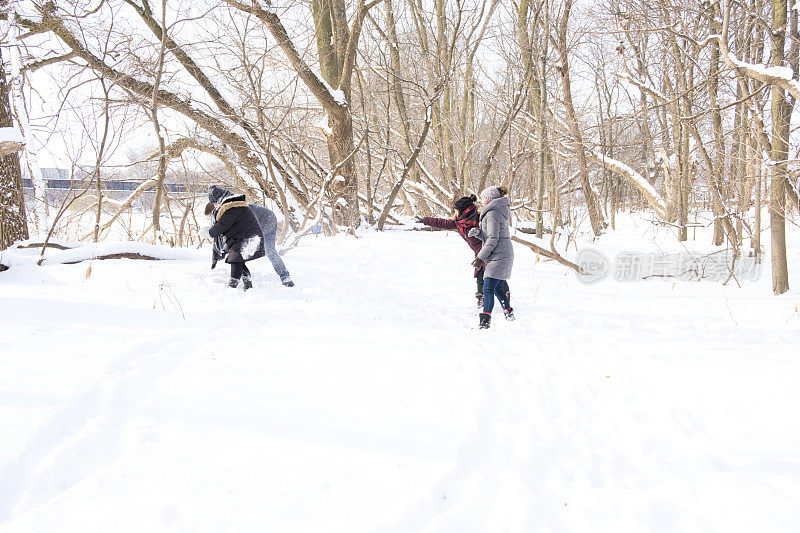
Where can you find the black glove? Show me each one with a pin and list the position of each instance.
(214, 258)
(478, 263)
(418, 219)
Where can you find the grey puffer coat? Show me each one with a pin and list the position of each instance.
(497, 251)
(266, 219)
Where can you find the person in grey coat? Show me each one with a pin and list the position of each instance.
(497, 253)
(269, 226)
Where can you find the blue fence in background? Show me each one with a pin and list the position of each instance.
(110, 185)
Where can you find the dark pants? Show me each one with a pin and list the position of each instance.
(269, 248)
(479, 279)
(272, 253)
(239, 269)
(495, 287)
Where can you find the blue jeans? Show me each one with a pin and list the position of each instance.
(495, 287)
(272, 254)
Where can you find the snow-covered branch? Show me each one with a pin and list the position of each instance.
(125, 205)
(318, 87)
(782, 76)
(409, 164)
(654, 200)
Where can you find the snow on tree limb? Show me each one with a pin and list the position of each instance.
(549, 254)
(660, 98)
(321, 90)
(438, 191)
(654, 200)
(777, 75)
(422, 190)
(782, 76)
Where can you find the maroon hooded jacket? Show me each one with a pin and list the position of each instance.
(467, 220)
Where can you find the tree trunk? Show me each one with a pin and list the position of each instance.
(595, 217)
(13, 219)
(534, 49)
(395, 80)
(756, 241)
(332, 36)
(716, 119)
(545, 155)
(444, 60)
(781, 114)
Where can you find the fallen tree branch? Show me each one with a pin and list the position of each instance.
(531, 231)
(549, 254)
(116, 250)
(46, 245)
(124, 206)
(119, 255)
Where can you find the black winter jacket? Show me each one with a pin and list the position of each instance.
(244, 240)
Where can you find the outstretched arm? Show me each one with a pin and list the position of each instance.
(442, 223)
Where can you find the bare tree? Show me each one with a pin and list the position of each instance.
(781, 118)
(562, 47)
(337, 44)
(13, 220)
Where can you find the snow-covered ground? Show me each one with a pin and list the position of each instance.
(147, 396)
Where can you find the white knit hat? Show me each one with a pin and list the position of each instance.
(491, 193)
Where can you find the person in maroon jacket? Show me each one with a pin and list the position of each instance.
(467, 217)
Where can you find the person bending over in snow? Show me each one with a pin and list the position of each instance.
(243, 239)
(467, 218)
(497, 254)
(269, 227)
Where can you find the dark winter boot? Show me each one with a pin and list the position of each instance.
(485, 320)
(247, 283)
(286, 279)
(479, 297)
(233, 283)
(509, 314)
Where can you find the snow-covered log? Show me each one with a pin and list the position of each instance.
(111, 250)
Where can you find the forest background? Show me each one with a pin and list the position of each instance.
(337, 114)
